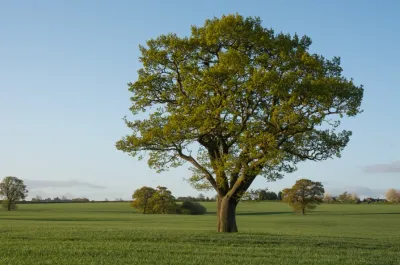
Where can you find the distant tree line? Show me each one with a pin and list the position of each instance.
(199, 198)
(161, 201)
(345, 197)
(305, 195)
(261, 195)
(391, 196)
(58, 199)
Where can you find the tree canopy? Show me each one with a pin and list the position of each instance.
(304, 195)
(163, 201)
(392, 195)
(141, 199)
(13, 190)
(237, 100)
(348, 198)
(149, 200)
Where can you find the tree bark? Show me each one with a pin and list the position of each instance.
(226, 214)
(9, 205)
(303, 211)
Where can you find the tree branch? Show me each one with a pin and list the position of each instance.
(207, 173)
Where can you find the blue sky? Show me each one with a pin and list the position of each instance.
(64, 66)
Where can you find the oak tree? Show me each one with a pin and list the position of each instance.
(304, 195)
(236, 101)
(141, 199)
(153, 201)
(13, 190)
(162, 201)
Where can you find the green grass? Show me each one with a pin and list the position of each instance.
(112, 233)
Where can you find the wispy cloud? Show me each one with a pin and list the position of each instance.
(393, 167)
(40, 184)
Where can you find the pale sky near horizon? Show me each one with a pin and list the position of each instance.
(64, 66)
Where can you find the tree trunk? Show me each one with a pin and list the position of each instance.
(226, 214)
(303, 211)
(9, 205)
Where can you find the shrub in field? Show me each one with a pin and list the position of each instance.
(304, 195)
(195, 208)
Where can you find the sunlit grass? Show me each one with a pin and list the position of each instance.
(112, 233)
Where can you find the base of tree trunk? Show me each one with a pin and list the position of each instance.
(226, 215)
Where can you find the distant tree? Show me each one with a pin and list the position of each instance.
(106, 200)
(304, 195)
(344, 197)
(347, 197)
(253, 194)
(162, 201)
(279, 196)
(37, 198)
(265, 194)
(56, 199)
(80, 200)
(246, 196)
(393, 195)
(201, 197)
(355, 198)
(13, 190)
(262, 195)
(141, 199)
(328, 198)
(186, 198)
(272, 196)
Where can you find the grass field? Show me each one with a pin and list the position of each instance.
(112, 233)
